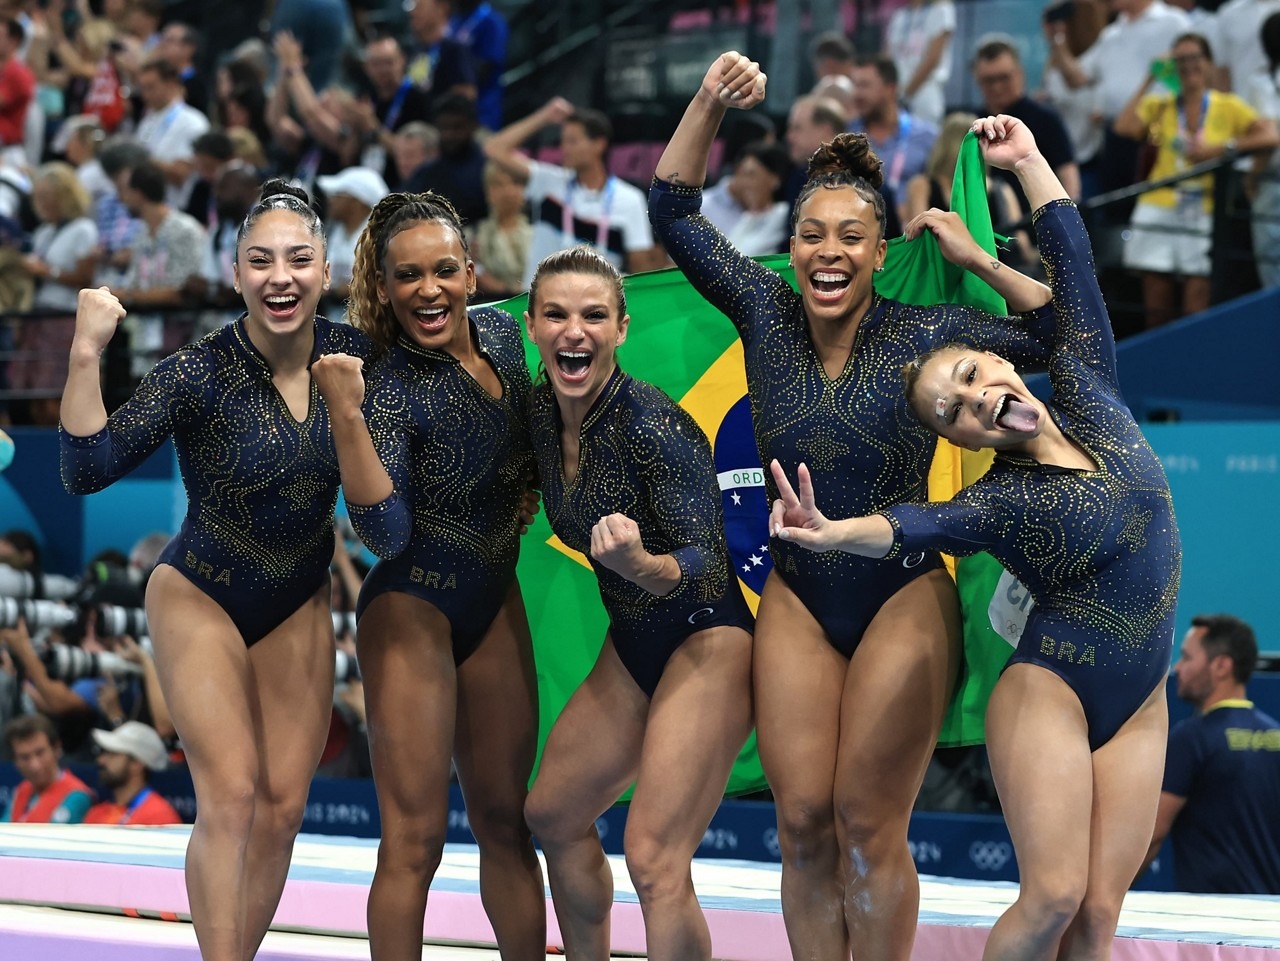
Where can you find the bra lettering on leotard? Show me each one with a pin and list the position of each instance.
(433, 579)
(205, 570)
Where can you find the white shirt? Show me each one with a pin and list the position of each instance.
(907, 37)
(618, 211)
(1236, 39)
(168, 134)
(1120, 59)
(62, 247)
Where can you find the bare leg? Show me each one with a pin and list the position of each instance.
(495, 749)
(1127, 773)
(1047, 794)
(205, 673)
(1195, 295)
(293, 694)
(590, 757)
(799, 680)
(899, 681)
(698, 721)
(406, 659)
(1159, 298)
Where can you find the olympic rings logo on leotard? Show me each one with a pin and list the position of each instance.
(701, 614)
(913, 560)
(989, 855)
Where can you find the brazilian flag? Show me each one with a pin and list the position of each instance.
(683, 345)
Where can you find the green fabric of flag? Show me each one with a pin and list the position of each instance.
(680, 343)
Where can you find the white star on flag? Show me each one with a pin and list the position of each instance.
(757, 560)
(737, 498)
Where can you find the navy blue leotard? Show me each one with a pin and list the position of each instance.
(1098, 550)
(856, 432)
(642, 455)
(261, 486)
(460, 460)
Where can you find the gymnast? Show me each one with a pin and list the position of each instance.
(1077, 507)
(238, 606)
(854, 661)
(627, 479)
(435, 486)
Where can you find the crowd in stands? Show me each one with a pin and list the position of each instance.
(123, 162)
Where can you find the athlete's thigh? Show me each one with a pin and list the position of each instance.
(798, 678)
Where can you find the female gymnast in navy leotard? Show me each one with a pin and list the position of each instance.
(1077, 506)
(238, 607)
(854, 661)
(435, 486)
(628, 480)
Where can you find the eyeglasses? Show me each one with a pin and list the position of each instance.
(992, 79)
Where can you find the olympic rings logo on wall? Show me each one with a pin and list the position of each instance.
(990, 855)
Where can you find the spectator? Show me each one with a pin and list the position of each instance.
(211, 152)
(1264, 96)
(997, 70)
(234, 193)
(1170, 238)
(1116, 64)
(832, 55)
(17, 86)
(162, 257)
(1077, 24)
(483, 31)
(352, 195)
(322, 28)
(180, 45)
(20, 550)
(918, 40)
(458, 173)
(248, 148)
(500, 242)
(92, 56)
(1222, 770)
(62, 260)
(414, 146)
(899, 138)
(395, 101)
(169, 128)
(126, 755)
(117, 227)
(1236, 36)
(581, 202)
(79, 140)
(439, 64)
(47, 794)
(747, 205)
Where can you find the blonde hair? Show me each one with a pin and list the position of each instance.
(941, 164)
(73, 199)
(247, 147)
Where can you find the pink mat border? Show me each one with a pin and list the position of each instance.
(328, 906)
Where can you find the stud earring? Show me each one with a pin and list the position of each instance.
(880, 270)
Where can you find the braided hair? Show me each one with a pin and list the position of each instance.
(845, 161)
(393, 214)
(278, 194)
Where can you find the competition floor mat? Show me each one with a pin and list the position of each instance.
(110, 894)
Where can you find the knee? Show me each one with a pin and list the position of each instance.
(414, 846)
(657, 872)
(1052, 904)
(549, 819)
(499, 826)
(226, 804)
(282, 813)
(1096, 919)
(806, 830)
(868, 837)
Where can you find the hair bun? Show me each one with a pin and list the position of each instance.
(847, 152)
(278, 186)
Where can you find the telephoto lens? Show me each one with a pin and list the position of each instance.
(114, 621)
(346, 668)
(344, 624)
(68, 663)
(23, 584)
(38, 614)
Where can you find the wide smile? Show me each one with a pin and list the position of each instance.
(281, 306)
(828, 286)
(573, 366)
(431, 320)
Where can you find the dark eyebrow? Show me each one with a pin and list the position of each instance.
(955, 371)
(840, 226)
(291, 250)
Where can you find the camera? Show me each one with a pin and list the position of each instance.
(114, 621)
(38, 614)
(17, 583)
(346, 668)
(69, 664)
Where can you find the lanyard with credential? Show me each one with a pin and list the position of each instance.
(602, 228)
(397, 104)
(135, 804)
(900, 152)
(462, 32)
(1184, 137)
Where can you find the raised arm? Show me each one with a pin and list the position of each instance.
(732, 80)
(340, 381)
(503, 148)
(98, 313)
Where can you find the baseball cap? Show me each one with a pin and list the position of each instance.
(137, 740)
(68, 129)
(362, 183)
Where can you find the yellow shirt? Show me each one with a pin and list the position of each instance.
(1227, 118)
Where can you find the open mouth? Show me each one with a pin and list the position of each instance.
(1010, 413)
(282, 305)
(573, 365)
(829, 284)
(431, 320)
